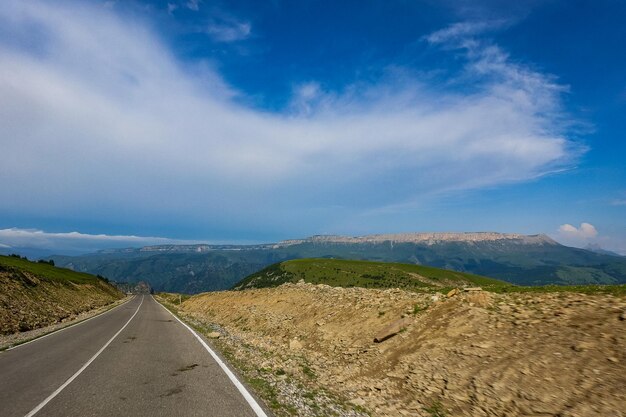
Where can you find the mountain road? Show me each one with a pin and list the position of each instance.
(134, 360)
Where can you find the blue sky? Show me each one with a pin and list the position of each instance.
(248, 121)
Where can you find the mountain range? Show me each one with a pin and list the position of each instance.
(519, 259)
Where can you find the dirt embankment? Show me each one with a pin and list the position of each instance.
(29, 302)
(474, 354)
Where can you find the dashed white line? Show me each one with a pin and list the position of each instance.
(73, 377)
(246, 395)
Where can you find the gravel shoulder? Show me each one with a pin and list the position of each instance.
(9, 340)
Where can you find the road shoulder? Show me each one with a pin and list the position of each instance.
(11, 341)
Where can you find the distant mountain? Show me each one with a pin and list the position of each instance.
(594, 247)
(519, 259)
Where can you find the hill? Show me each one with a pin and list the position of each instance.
(36, 294)
(518, 259)
(366, 274)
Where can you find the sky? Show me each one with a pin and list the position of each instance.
(132, 122)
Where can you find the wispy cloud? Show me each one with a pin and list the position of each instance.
(108, 123)
(228, 30)
(463, 30)
(171, 7)
(193, 5)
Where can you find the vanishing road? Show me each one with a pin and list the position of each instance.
(135, 360)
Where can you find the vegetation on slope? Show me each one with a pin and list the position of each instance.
(36, 294)
(367, 274)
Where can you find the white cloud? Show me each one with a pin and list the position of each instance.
(587, 236)
(229, 30)
(584, 232)
(98, 119)
(618, 203)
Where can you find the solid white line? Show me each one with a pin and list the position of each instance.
(249, 398)
(73, 377)
(66, 327)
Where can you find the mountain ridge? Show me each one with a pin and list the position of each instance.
(410, 237)
(515, 258)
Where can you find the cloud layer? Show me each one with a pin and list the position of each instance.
(74, 242)
(97, 118)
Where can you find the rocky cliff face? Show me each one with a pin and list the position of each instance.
(471, 354)
(425, 238)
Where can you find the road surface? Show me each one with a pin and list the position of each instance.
(135, 360)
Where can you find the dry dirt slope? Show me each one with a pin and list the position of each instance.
(474, 354)
(33, 295)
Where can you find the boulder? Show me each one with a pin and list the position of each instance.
(453, 292)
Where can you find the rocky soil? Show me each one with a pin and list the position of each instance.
(310, 351)
(13, 339)
(28, 302)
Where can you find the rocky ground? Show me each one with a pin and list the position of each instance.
(29, 302)
(12, 339)
(309, 350)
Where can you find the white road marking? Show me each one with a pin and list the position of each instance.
(73, 377)
(67, 327)
(249, 398)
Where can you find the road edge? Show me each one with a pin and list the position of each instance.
(27, 341)
(252, 402)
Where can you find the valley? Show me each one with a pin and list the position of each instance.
(517, 259)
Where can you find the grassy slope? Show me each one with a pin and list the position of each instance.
(46, 271)
(368, 274)
(34, 294)
(344, 273)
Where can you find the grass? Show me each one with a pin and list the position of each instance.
(173, 298)
(367, 274)
(45, 271)
(616, 290)
(382, 275)
(308, 372)
(436, 410)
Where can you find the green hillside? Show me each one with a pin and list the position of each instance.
(344, 273)
(36, 294)
(48, 272)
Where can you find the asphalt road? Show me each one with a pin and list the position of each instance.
(154, 366)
